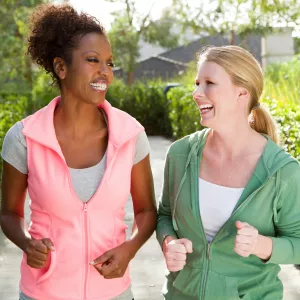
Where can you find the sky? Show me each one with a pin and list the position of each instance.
(102, 9)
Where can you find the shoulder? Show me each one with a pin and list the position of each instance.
(14, 135)
(183, 146)
(126, 116)
(290, 173)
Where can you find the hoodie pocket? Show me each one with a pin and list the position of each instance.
(48, 272)
(193, 282)
(188, 281)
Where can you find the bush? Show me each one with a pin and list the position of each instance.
(183, 111)
(287, 117)
(144, 101)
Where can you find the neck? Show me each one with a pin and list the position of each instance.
(77, 118)
(231, 142)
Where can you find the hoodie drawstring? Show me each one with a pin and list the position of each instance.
(194, 148)
(277, 180)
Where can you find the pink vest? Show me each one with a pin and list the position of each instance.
(80, 231)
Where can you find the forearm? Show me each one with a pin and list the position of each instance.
(264, 247)
(15, 229)
(145, 223)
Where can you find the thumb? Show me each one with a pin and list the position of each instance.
(101, 259)
(48, 244)
(239, 224)
(187, 244)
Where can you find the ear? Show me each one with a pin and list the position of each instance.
(60, 67)
(243, 94)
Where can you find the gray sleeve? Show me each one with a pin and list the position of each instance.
(142, 147)
(14, 148)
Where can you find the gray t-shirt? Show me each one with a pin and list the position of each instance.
(85, 181)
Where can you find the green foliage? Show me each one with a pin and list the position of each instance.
(43, 91)
(282, 96)
(287, 117)
(145, 102)
(297, 45)
(282, 81)
(241, 17)
(11, 111)
(16, 69)
(183, 112)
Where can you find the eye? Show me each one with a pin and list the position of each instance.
(196, 83)
(93, 60)
(209, 82)
(111, 64)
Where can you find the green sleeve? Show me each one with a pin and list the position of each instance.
(286, 245)
(164, 221)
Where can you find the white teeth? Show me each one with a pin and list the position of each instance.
(99, 86)
(203, 106)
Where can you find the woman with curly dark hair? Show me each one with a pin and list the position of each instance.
(79, 158)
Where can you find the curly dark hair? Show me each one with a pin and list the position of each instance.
(55, 31)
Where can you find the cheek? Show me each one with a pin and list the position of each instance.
(110, 76)
(213, 93)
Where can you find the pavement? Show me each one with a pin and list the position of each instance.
(147, 268)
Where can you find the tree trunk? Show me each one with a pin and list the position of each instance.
(130, 78)
(232, 37)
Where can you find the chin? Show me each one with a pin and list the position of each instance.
(207, 122)
(99, 100)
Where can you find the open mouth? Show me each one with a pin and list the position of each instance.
(205, 108)
(99, 87)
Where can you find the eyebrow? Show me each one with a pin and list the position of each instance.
(85, 52)
(90, 51)
(205, 77)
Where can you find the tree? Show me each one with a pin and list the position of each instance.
(130, 27)
(240, 17)
(16, 73)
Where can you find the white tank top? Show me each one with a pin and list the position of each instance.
(216, 205)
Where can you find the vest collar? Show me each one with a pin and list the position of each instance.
(40, 127)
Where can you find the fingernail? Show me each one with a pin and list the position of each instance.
(52, 248)
(92, 263)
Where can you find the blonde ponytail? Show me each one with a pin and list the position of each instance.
(262, 122)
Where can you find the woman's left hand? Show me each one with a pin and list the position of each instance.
(114, 263)
(246, 239)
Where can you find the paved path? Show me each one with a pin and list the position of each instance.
(147, 269)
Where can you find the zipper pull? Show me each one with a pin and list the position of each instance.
(85, 208)
(208, 251)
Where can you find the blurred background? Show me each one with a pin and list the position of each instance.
(155, 45)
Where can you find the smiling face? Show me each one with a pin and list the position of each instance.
(216, 96)
(90, 73)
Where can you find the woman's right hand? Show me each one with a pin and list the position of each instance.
(38, 251)
(175, 251)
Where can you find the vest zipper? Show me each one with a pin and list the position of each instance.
(86, 262)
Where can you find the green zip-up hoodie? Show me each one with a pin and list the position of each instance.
(270, 202)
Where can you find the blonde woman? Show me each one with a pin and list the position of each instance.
(229, 212)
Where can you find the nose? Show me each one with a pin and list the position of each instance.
(103, 70)
(198, 92)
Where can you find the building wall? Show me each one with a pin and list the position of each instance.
(277, 47)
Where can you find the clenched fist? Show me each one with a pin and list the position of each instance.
(175, 251)
(37, 252)
(246, 239)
